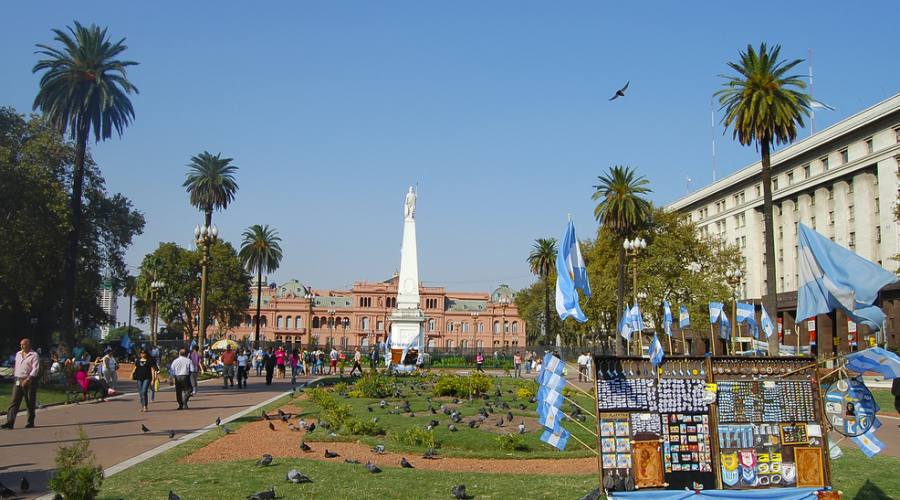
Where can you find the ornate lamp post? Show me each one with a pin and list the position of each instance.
(345, 323)
(331, 313)
(474, 329)
(308, 295)
(733, 276)
(504, 302)
(155, 288)
(632, 248)
(205, 236)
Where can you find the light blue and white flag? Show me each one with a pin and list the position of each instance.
(875, 359)
(625, 325)
(553, 364)
(556, 439)
(551, 380)
(684, 317)
(547, 396)
(868, 443)
(550, 417)
(767, 326)
(126, 343)
(724, 327)
(667, 318)
(571, 274)
(832, 276)
(656, 351)
(746, 313)
(637, 321)
(715, 310)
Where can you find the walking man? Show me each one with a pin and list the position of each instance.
(357, 357)
(228, 359)
(181, 369)
(243, 364)
(517, 361)
(194, 356)
(270, 366)
(25, 374)
(582, 367)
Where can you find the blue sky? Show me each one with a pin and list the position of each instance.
(498, 110)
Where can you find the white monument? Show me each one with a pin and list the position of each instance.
(407, 331)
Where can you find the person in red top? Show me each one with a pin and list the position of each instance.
(25, 374)
(228, 359)
(86, 382)
(280, 356)
(479, 362)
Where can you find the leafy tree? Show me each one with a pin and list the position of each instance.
(765, 105)
(260, 251)
(542, 261)
(117, 333)
(622, 210)
(84, 89)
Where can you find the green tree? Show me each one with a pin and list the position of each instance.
(764, 104)
(211, 185)
(542, 261)
(129, 288)
(84, 89)
(260, 251)
(117, 333)
(621, 211)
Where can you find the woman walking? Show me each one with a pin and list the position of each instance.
(145, 374)
(295, 365)
(479, 362)
(280, 356)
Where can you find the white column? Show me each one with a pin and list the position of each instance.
(888, 186)
(864, 200)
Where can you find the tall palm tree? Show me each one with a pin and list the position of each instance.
(129, 289)
(542, 259)
(211, 185)
(621, 210)
(765, 105)
(260, 251)
(84, 89)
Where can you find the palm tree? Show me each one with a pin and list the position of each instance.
(260, 251)
(84, 89)
(129, 289)
(211, 185)
(621, 210)
(542, 259)
(764, 105)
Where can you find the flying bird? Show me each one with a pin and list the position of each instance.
(265, 461)
(144, 429)
(372, 468)
(263, 495)
(297, 477)
(330, 454)
(405, 464)
(620, 92)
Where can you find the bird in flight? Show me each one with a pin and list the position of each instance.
(621, 92)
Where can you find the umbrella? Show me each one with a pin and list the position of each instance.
(223, 344)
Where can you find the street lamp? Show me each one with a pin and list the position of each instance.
(331, 313)
(308, 295)
(474, 329)
(632, 248)
(345, 323)
(155, 287)
(733, 276)
(205, 236)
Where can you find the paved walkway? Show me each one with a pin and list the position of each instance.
(114, 427)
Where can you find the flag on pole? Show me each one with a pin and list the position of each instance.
(814, 104)
(832, 276)
(550, 397)
(126, 343)
(746, 314)
(667, 318)
(571, 274)
(868, 443)
(656, 351)
(875, 359)
(550, 417)
(556, 439)
(715, 310)
(724, 327)
(553, 364)
(551, 380)
(637, 321)
(684, 317)
(625, 325)
(767, 325)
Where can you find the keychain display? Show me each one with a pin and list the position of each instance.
(850, 407)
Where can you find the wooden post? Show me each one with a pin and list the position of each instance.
(715, 461)
(596, 370)
(684, 344)
(712, 340)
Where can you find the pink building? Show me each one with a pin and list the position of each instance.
(361, 316)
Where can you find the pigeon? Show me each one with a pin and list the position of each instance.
(171, 434)
(265, 461)
(509, 416)
(369, 408)
(281, 413)
(459, 492)
(500, 423)
(312, 427)
(218, 421)
(592, 495)
(522, 428)
(430, 454)
(374, 420)
(620, 92)
(411, 414)
(379, 448)
(305, 447)
(405, 464)
(302, 423)
(271, 426)
(292, 428)
(452, 428)
(372, 468)
(263, 495)
(433, 423)
(432, 410)
(24, 486)
(456, 401)
(473, 424)
(225, 430)
(144, 429)
(284, 418)
(6, 492)
(350, 461)
(297, 477)
(330, 454)
(266, 416)
(521, 406)
(382, 403)
(173, 496)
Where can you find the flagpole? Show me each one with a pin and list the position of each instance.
(712, 340)
(683, 343)
(582, 444)
(578, 423)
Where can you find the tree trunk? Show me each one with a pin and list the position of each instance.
(71, 269)
(258, 295)
(547, 335)
(130, 304)
(620, 298)
(770, 302)
(203, 284)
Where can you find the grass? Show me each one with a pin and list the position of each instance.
(45, 396)
(885, 399)
(863, 478)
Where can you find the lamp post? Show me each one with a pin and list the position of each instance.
(205, 236)
(331, 313)
(345, 323)
(474, 329)
(155, 287)
(641, 298)
(632, 248)
(308, 295)
(504, 301)
(733, 276)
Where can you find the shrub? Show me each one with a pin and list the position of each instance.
(319, 397)
(454, 385)
(415, 436)
(77, 475)
(359, 427)
(341, 387)
(374, 385)
(526, 391)
(512, 442)
(355, 394)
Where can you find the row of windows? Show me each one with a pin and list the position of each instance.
(465, 344)
(463, 327)
(391, 302)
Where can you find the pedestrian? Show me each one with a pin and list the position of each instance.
(333, 359)
(479, 362)
(86, 382)
(228, 360)
(295, 365)
(517, 362)
(109, 368)
(196, 366)
(280, 357)
(259, 358)
(25, 375)
(582, 375)
(154, 356)
(357, 357)
(538, 364)
(145, 374)
(320, 361)
(895, 390)
(181, 370)
(269, 366)
(243, 365)
(528, 358)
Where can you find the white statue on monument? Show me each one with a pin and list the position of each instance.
(409, 211)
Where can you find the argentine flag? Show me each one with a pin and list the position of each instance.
(571, 274)
(667, 318)
(551, 381)
(550, 417)
(556, 439)
(724, 327)
(767, 326)
(547, 396)
(553, 364)
(875, 359)
(625, 325)
(746, 314)
(126, 343)
(832, 276)
(868, 443)
(715, 310)
(637, 321)
(684, 317)
(656, 351)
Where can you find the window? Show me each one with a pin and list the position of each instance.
(780, 254)
(852, 241)
(496, 328)
(775, 184)
(465, 327)
(743, 242)
(897, 134)
(813, 222)
(830, 192)
(806, 171)
(449, 344)
(506, 327)
(480, 327)
(877, 234)
(812, 200)
(850, 186)
(431, 325)
(278, 322)
(364, 323)
(316, 322)
(851, 211)
(845, 157)
(790, 177)
(877, 205)
(379, 326)
(870, 146)
(824, 161)
(831, 218)
(795, 228)
(758, 191)
(515, 325)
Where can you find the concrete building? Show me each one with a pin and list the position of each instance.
(107, 298)
(361, 316)
(842, 182)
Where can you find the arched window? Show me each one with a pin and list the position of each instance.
(515, 327)
(496, 327)
(449, 344)
(480, 327)
(463, 344)
(263, 321)
(431, 325)
(506, 327)
(298, 322)
(430, 344)
(465, 327)
(316, 322)
(479, 344)
(278, 321)
(449, 326)
(287, 322)
(364, 323)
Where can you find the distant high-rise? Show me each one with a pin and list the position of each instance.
(107, 297)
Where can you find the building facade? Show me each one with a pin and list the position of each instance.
(360, 317)
(107, 297)
(841, 182)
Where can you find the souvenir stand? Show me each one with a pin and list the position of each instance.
(704, 423)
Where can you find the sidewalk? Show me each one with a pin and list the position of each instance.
(114, 427)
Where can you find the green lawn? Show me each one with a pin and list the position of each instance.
(45, 395)
(885, 399)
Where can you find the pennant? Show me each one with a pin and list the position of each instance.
(767, 325)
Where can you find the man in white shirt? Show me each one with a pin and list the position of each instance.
(582, 367)
(25, 375)
(181, 370)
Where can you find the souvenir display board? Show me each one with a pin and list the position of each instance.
(769, 423)
(850, 407)
(723, 422)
